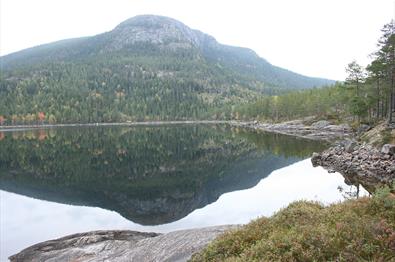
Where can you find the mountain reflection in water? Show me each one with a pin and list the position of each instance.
(150, 175)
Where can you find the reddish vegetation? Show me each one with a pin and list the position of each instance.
(42, 135)
(41, 116)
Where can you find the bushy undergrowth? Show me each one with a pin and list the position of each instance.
(354, 230)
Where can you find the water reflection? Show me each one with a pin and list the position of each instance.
(149, 175)
(25, 221)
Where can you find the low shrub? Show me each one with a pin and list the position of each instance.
(354, 230)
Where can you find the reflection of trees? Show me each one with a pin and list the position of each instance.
(34, 134)
(352, 192)
(148, 174)
(283, 145)
(134, 154)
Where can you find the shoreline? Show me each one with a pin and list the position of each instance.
(319, 130)
(148, 246)
(359, 164)
(367, 159)
(142, 123)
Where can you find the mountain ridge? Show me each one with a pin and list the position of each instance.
(147, 67)
(197, 37)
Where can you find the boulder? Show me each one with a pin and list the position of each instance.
(363, 128)
(388, 149)
(350, 145)
(316, 159)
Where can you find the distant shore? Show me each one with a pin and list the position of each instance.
(320, 130)
(142, 123)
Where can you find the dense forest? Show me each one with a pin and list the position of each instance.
(172, 75)
(367, 95)
(147, 68)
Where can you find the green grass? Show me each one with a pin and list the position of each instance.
(354, 230)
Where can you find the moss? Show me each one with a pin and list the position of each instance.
(354, 230)
(379, 135)
(388, 137)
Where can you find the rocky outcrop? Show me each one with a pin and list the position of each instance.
(161, 31)
(122, 246)
(378, 135)
(360, 164)
(320, 130)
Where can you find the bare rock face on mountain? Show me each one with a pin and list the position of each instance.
(158, 30)
(122, 246)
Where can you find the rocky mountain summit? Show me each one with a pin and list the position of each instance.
(158, 30)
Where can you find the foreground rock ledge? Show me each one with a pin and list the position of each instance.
(122, 246)
(359, 164)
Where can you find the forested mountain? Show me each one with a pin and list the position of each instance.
(148, 67)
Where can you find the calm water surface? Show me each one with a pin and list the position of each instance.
(61, 181)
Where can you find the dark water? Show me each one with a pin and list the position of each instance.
(156, 178)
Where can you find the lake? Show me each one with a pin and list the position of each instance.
(55, 182)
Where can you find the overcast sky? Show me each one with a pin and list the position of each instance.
(311, 37)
